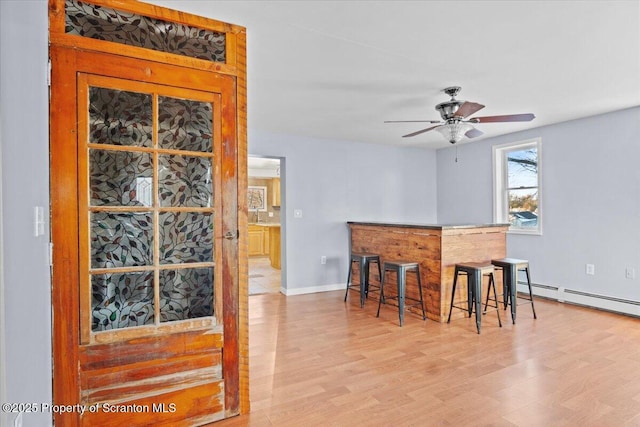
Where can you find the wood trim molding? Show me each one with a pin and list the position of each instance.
(63, 155)
(243, 247)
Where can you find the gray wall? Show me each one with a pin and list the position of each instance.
(336, 181)
(590, 201)
(25, 181)
(590, 182)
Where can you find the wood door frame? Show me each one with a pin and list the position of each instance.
(70, 55)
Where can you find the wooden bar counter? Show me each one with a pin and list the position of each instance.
(437, 248)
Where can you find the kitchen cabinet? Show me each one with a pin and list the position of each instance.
(275, 192)
(274, 246)
(258, 240)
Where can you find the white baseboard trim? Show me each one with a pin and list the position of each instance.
(313, 289)
(560, 294)
(586, 299)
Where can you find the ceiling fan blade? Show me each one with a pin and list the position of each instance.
(467, 109)
(473, 133)
(412, 121)
(419, 132)
(507, 118)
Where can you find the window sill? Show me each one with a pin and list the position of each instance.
(525, 232)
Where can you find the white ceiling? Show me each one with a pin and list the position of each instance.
(339, 69)
(263, 167)
(264, 163)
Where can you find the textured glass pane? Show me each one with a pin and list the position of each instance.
(121, 239)
(184, 124)
(186, 237)
(104, 23)
(121, 300)
(184, 181)
(119, 117)
(522, 166)
(120, 178)
(186, 294)
(523, 208)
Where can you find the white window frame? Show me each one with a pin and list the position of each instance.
(501, 181)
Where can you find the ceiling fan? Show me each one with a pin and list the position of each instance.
(454, 124)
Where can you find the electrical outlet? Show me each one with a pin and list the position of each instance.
(590, 269)
(323, 259)
(630, 273)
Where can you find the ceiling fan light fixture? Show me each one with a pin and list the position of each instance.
(456, 121)
(454, 131)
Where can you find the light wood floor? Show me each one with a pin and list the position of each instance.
(317, 361)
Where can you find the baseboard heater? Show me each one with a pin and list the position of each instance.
(585, 299)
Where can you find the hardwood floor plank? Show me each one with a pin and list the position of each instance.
(317, 361)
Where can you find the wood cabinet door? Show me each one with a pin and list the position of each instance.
(265, 241)
(145, 225)
(275, 192)
(256, 242)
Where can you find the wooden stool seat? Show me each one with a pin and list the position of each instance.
(510, 268)
(401, 268)
(474, 272)
(364, 259)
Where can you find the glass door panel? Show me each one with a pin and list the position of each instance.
(184, 181)
(122, 300)
(120, 117)
(150, 206)
(184, 124)
(120, 178)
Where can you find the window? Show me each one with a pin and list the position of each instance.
(517, 186)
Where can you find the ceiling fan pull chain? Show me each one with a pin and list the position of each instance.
(456, 154)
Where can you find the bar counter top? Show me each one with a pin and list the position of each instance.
(428, 226)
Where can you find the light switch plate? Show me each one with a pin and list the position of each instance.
(630, 273)
(38, 221)
(590, 269)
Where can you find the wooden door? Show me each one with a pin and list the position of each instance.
(146, 219)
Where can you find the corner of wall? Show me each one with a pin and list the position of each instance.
(3, 375)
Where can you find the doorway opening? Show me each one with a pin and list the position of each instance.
(266, 217)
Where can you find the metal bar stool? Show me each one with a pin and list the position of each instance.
(364, 259)
(474, 272)
(510, 268)
(401, 268)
